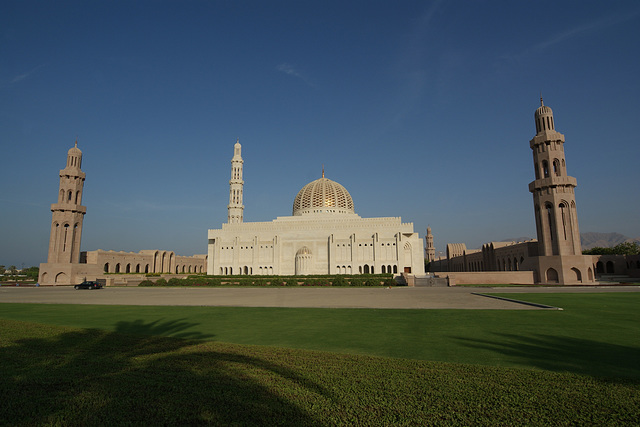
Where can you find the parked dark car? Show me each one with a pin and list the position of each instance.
(87, 284)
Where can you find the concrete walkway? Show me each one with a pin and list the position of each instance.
(395, 298)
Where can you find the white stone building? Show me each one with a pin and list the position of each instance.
(323, 236)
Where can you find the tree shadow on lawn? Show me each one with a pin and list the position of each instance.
(99, 377)
(564, 354)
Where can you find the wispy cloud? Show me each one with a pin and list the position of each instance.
(23, 76)
(291, 71)
(576, 31)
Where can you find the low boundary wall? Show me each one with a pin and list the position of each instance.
(489, 278)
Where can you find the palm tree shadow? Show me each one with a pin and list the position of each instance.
(101, 377)
(564, 354)
(178, 328)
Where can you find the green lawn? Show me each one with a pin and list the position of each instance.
(595, 334)
(200, 365)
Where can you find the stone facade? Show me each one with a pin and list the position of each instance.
(324, 235)
(67, 265)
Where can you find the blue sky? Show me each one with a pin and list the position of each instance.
(421, 109)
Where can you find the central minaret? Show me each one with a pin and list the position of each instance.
(67, 214)
(235, 207)
(553, 190)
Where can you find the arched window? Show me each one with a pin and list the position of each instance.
(106, 267)
(118, 268)
(537, 170)
(128, 268)
(564, 213)
(366, 269)
(69, 196)
(552, 276)
(556, 167)
(545, 169)
(599, 267)
(137, 268)
(550, 219)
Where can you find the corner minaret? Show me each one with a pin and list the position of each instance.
(236, 184)
(68, 213)
(553, 190)
(430, 249)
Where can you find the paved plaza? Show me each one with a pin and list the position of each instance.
(394, 298)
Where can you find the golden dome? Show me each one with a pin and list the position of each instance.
(322, 196)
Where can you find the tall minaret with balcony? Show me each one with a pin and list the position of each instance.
(235, 207)
(430, 249)
(553, 190)
(68, 213)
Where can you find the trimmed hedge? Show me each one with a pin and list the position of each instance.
(277, 281)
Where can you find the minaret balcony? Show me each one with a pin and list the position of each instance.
(547, 135)
(69, 207)
(553, 181)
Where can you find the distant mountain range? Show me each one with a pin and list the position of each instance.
(604, 240)
(591, 240)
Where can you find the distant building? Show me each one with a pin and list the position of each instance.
(67, 265)
(323, 236)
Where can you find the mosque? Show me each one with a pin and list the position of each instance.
(324, 235)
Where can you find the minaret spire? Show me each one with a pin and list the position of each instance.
(68, 213)
(323, 170)
(236, 185)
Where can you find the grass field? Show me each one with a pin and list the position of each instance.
(221, 365)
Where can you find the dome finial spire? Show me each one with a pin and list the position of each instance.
(541, 103)
(323, 170)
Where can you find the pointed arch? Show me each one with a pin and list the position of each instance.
(578, 275)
